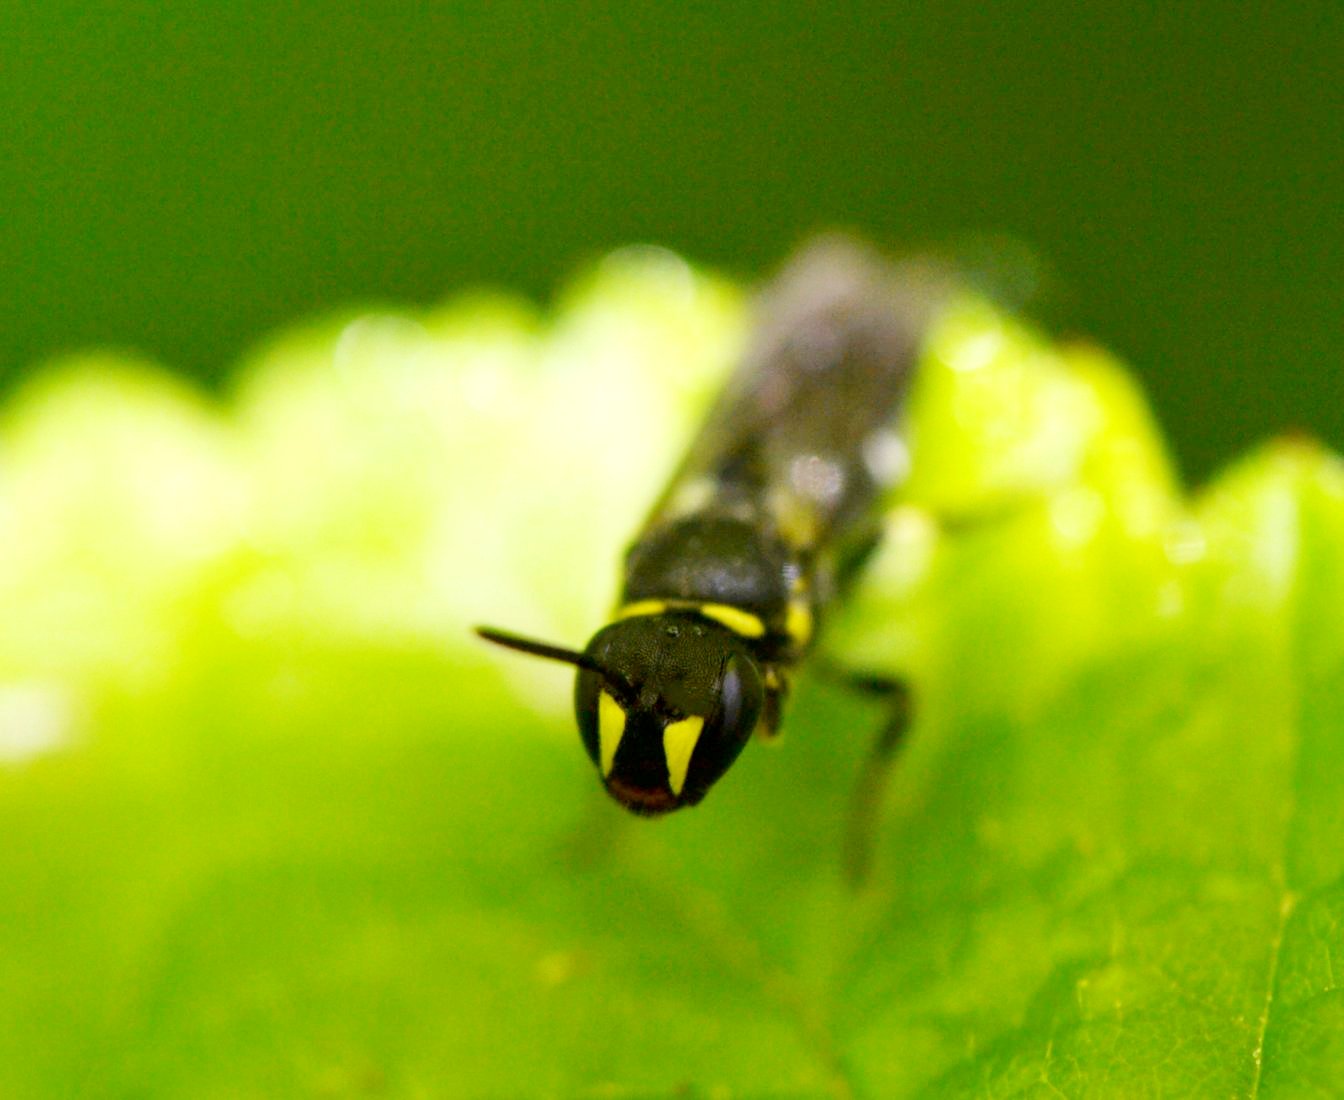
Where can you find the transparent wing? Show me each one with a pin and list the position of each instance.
(808, 424)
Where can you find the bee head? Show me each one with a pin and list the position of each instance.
(665, 703)
(668, 703)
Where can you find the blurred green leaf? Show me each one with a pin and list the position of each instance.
(275, 826)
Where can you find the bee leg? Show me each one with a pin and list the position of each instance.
(772, 712)
(865, 805)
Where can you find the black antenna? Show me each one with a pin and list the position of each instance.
(554, 653)
(536, 649)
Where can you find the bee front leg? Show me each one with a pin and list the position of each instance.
(772, 711)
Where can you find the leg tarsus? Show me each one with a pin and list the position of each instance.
(865, 807)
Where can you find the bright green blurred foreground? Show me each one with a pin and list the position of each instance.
(274, 824)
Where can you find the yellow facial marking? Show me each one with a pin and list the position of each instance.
(734, 618)
(798, 623)
(679, 740)
(610, 729)
(642, 607)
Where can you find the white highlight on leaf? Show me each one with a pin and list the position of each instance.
(1185, 544)
(35, 719)
(1077, 515)
(977, 352)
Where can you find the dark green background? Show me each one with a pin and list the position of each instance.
(181, 178)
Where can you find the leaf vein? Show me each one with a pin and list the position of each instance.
(1286, 906)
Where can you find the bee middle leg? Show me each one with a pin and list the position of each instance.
(865, 805)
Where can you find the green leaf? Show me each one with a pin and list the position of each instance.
(276, 825)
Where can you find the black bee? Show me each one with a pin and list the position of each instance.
(773, 510)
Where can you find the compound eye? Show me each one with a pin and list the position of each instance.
(588, 695)
(728, 728)
(739, 699)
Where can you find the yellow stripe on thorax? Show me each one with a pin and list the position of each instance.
(798, 622)
(734, 618)
(642, 607)
(745, 623)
